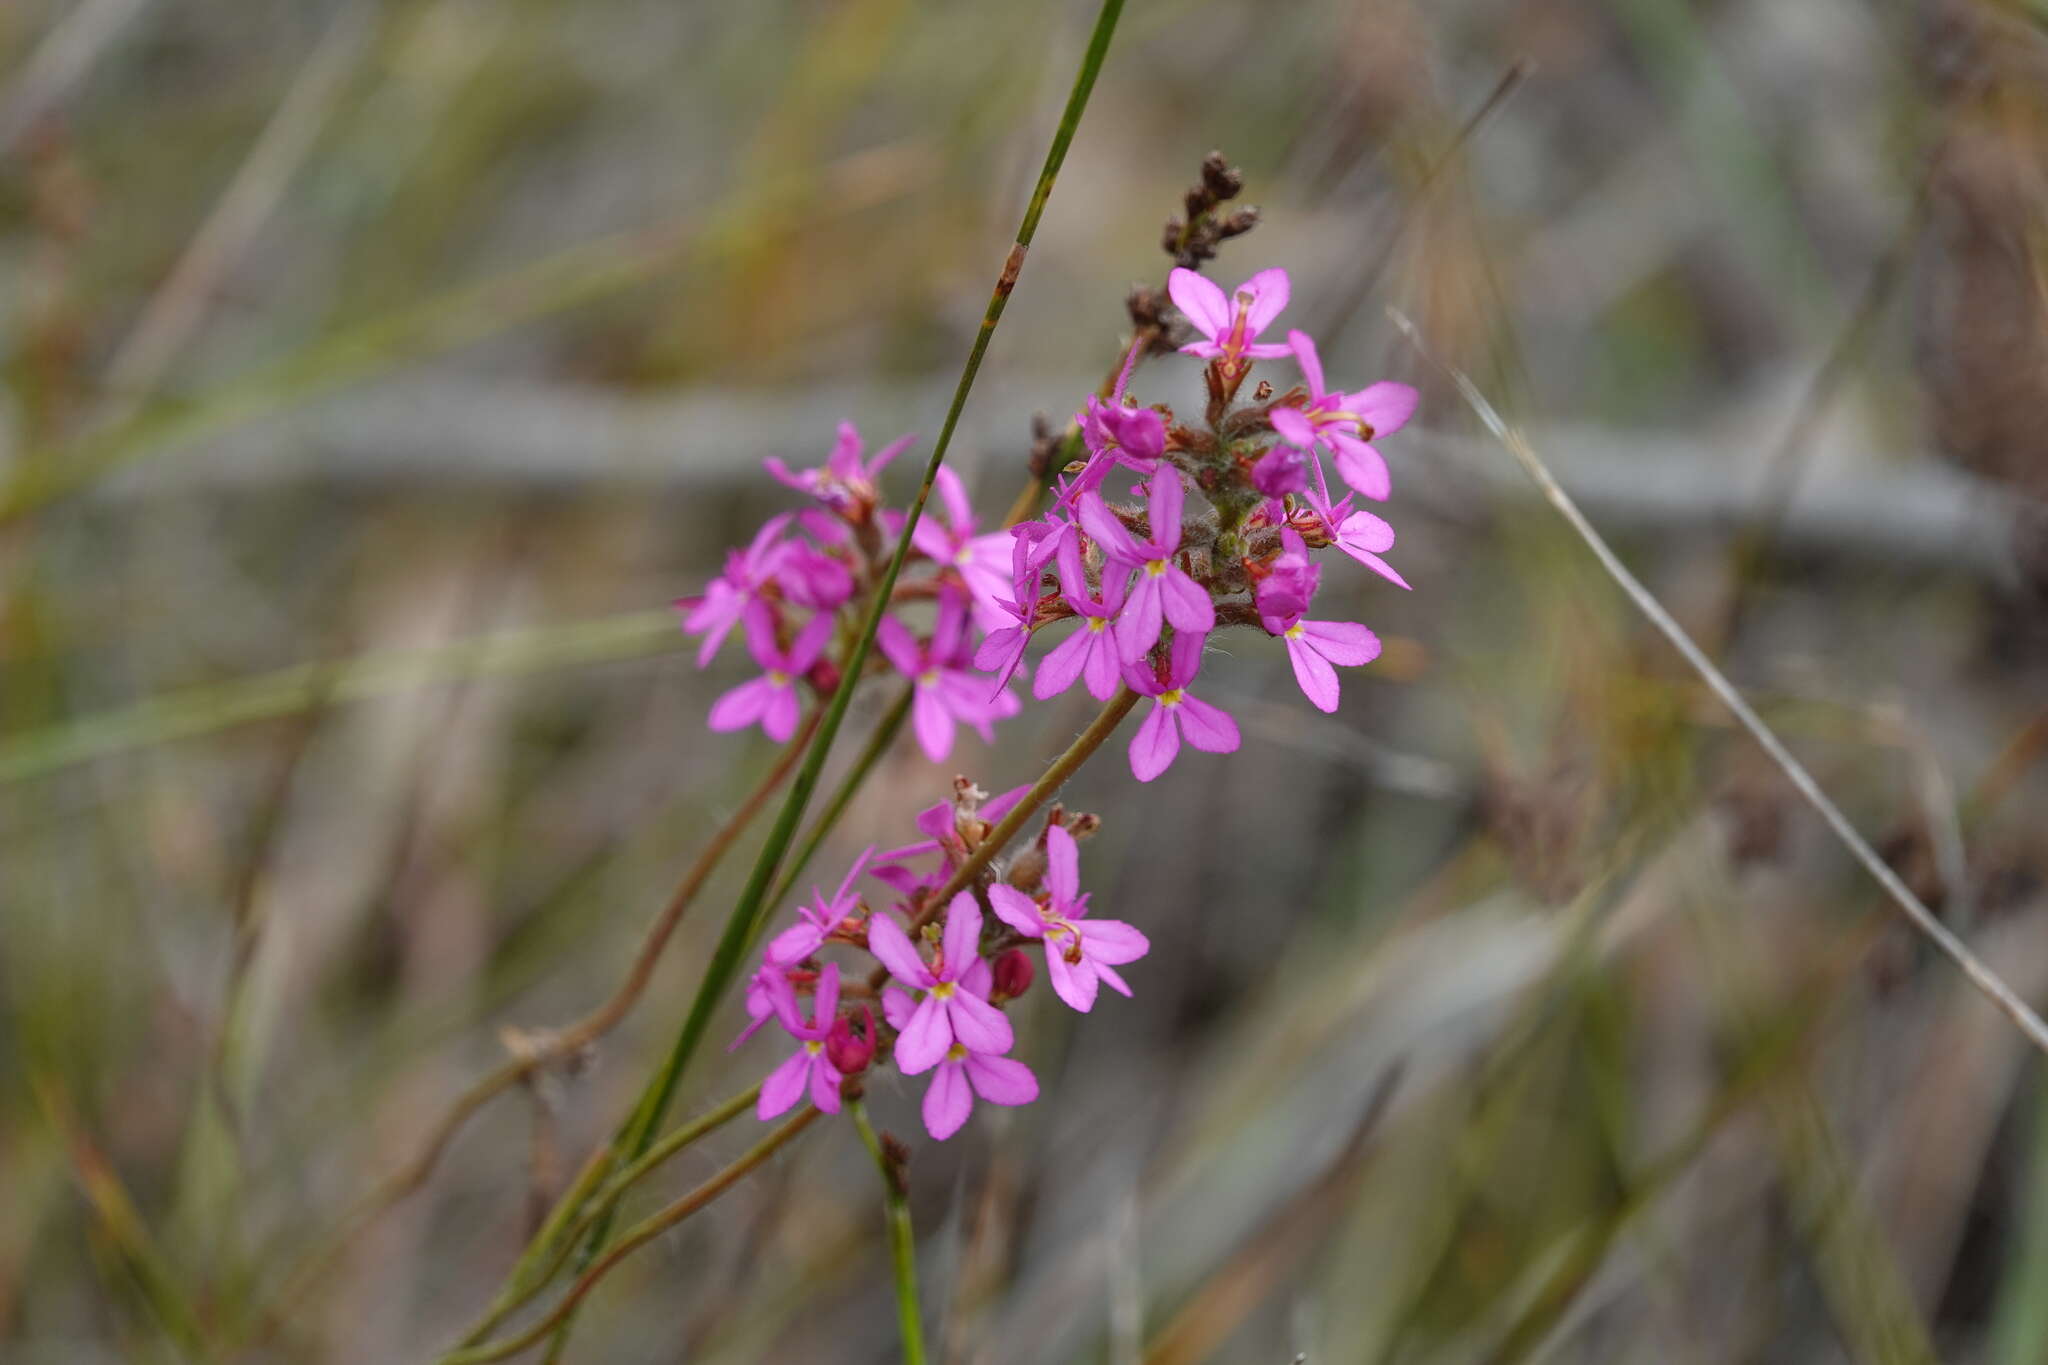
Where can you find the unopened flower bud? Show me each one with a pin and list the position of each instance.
(850, 1051)
(1013, 974)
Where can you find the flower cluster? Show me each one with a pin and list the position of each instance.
(942, 973)
(798, 592)
(1149, 579)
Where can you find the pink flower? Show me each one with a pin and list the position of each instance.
(951, 1011)
(727, 597)
(1175, 713)
(983, 562)
(1280, 471)
(1312, 646)
(808, 1067)
(962, 1074)
(845, 484)
(941, 824)
(1289, 584)
(1116, 435)
(947, 689)
(814, 926)
(1091, 651)
(1079, 952)
(760, 1001)
(1345, 423)
(811, 578)
(771, 698)
(1163, 589)
(1228, 326)
(1360, 534)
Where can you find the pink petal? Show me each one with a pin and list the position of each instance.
(1208, 728)
(1062, 865)
(948, 1101)
(1362, 466)
(892, 947)
(1318, 680)
(1184, 659)
(1073, 982)
(933, 723)
(1163, 506)
(932, 539)
(978, 1024)
(1304, 348)
(1100, 670)
(1112, 940)
(824, 1085)
(1001, 1080)
(784, 1086)
(742, 706)
(1154, 746)
(1106, 531)
(782, 714)
(1137, 629)
(1269, 290)
(1342, 642)
(810, 642)
(961, 945)
(888, 453)
(954, 493)
(825, 1003)
(1293, 426)
(1057, 671)
(897, 1007)
(1385, 406)
(1200, 299)
(896, 642)
(925, 1039)
(1362, 530)
(1187, 604)
(1110, 978)
(1016, 909)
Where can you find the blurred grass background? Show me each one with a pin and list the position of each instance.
(374, 372)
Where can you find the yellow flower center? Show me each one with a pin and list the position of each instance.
(1293, 632)
(956, 1052)
(815, 1046)
(928, 678)
(1171, 697)
(1098, 624)
(943, 991)
(778, 677)
(1155, 567)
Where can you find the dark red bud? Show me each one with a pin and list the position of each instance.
(1013, 974)
(850, 1051)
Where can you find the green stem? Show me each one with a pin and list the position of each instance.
(555, 1241)
(1085, 744)
(902, 1247)
(635, 1237)
(731, 948)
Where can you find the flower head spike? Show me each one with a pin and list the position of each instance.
(1090, 653)
(947, 689)
(983, 562)
(1080, 952)
(962, 1074)
(1162, 589)
(1175, 712)
(727, 598)
(814, 926)
(951, 1011)
(1345, 423)
(808, 1067)
(771, 698)
(1230, 325)
(846, 484)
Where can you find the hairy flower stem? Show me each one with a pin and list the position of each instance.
(543, 1049)
(635, 1237)
(550, 1248)
(902, 1246)
(1084, 746)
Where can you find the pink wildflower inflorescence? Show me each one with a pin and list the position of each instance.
(797, 592)
(1219, 523)
(1148, 580)
(943, 974)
